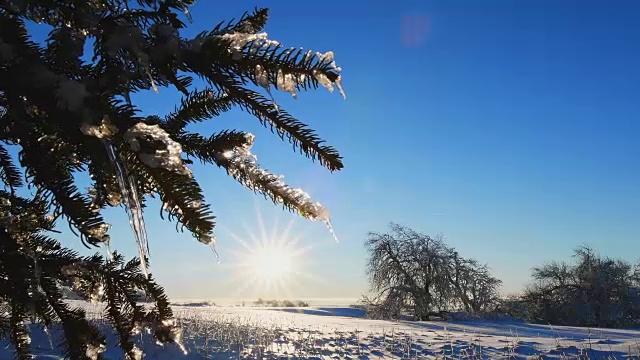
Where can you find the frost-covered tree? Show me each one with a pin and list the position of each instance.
(420, 274)
(65, 112)
(592, 290)
(473, 287)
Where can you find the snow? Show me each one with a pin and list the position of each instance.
(166, 156)
(328, 57)
(239, 40)
(262, 77)
(328, 84)
(320, 332)
(93, 352)
(103, 131)
(286, 83)
(243, 166)
(99, 232)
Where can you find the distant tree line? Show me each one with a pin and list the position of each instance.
(416, 275)
(279, 303)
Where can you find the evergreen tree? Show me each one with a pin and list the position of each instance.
(66, 114)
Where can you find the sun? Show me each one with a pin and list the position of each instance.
(269, 262)
(269, 265)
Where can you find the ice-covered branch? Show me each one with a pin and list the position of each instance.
(155, 148)
(243, 166)
(259, 45)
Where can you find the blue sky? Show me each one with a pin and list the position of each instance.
(511, 127)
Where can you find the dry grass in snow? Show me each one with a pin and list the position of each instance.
(342, 333)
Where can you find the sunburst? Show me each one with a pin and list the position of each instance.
(269, 263)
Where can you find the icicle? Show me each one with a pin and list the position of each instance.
(186, 11)
(132, 205)
(209, 240)
(48, 333)
(138, 207)
(338, 83)
(176, 334)
(262, 79)
(128, 190)
(37, 272)
(215, 252)
(327, 59)
(331, 230)
(153, 83)
(107, 247)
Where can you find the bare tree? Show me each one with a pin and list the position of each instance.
(419, 273)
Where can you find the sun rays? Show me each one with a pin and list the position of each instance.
(269, 261)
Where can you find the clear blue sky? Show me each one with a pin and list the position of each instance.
(511, 127)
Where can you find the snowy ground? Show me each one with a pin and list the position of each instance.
(323, 332)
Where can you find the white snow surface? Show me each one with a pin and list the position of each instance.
(331, 332)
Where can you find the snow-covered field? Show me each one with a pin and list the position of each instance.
(321, 332)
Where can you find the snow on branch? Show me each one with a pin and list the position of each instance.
(243, 166)
(103, 131)
(155, 147)
(259, 44)
(239, 40)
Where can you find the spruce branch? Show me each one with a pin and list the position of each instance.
(19, 334)
(15, 293)
(285, 125)
(243, 166)
(249, 23)
(208, 149)
(47, 173)
(183, 201)
(196, 107)
(81, 338)
(9, 172)
(70, 116)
